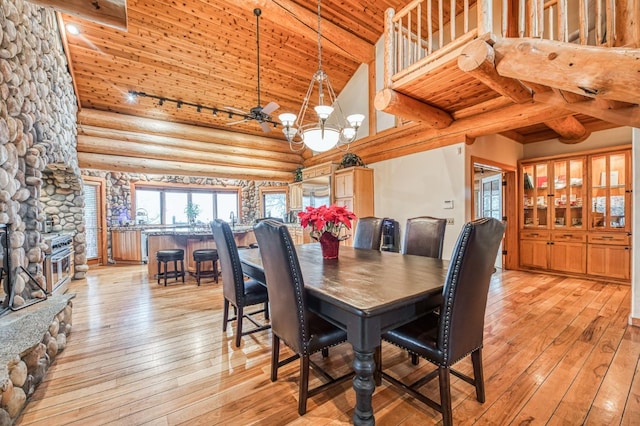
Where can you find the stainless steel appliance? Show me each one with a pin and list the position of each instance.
(58, 262)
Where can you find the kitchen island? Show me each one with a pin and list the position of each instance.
(189, 240)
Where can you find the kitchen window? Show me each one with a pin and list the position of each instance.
(167, 205)
(273, 202)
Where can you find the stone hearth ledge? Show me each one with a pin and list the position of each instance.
(21, 333)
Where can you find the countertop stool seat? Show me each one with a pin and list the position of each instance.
(170, 255)
(206, 255)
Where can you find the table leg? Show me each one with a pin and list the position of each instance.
(364, 367)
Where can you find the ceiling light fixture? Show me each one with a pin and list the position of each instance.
(132, 95)
(330, 129)
(72, 29)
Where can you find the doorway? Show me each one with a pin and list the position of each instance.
(494, 195)
(94, 220)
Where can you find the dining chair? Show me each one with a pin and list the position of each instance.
(237, 291)
(368, 233)
(424, 236)
(292, 323)
(446, 337)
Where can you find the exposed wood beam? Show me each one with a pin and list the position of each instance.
(608, 73)
(161, 167)
(395, 103)
(478, 59)
(303, 21)
(130, 123)
(629, 116)
(569, 128)
(513, 135)
(112, 13)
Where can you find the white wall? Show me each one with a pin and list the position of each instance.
(418, 185)
(354, 98)
(601, 139)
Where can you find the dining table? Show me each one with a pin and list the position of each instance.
(366, 293)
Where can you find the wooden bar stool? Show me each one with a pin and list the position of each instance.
(164, 256)
(206, 255)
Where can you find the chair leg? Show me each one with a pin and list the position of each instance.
(159, 263)
(239, 326)
(414, 359)
(266, 310)
(165, 272)
(175, 269)
(215, 270)
(325, 352)
(182, 269)
(444, 375)
(478, 375)
(275, 356)
(304, 385)
(225, 315)
(198, 273)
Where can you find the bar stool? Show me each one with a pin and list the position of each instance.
(206, 255)
(164, 256)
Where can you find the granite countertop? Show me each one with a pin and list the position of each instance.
(186, 230)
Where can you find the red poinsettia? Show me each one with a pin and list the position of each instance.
(333, 219)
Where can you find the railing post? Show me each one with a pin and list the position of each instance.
(485, 17)
(388, 47)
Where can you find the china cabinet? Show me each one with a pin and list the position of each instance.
(574, 214)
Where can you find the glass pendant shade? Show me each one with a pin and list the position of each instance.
(319, 139)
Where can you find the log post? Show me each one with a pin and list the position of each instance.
(389, 69)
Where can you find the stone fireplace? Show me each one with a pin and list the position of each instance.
(39, 176)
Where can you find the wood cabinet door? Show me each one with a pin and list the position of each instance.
(295, 196)
(344, 185)
(534, 253)
(568, 257)
(125, 246)
(609, 261)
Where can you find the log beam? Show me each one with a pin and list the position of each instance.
(571, 131)
(596, 72)
(395, 103)
(299, 20)
(112, 13)
(146, 165)
(629, 116)
(478, 59)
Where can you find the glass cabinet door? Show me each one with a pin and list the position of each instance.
(609, 192)
(535, 184)
(567, 193)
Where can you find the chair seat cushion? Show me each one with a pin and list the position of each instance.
(254, 292)
(322, 333)
(205, 254)
(419, 336)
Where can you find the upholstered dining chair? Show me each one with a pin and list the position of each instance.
(368, 233)
(424, 236)
(237, 291)
(301, 330)
(446, 337)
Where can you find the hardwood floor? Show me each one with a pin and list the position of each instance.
(557, 351)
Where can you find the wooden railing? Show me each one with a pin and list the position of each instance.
(425, 30)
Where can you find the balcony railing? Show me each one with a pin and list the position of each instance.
(426, 30)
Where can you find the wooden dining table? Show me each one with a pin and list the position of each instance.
(365, 292)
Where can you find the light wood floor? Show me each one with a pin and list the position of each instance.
(557, 351)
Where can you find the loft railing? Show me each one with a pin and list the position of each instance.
(425, 30)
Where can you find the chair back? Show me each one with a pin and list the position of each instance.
(231, 268)
(368, 234)
(424, 236)
(466, 288)
(277, 219)
(285, 286)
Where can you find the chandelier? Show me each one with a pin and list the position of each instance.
(330, 128)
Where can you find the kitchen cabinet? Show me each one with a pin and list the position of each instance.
(126, 246)
(565, 197)
(353, 188)
(324, 169)
(295, 196)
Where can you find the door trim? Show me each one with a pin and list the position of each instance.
(102, 218)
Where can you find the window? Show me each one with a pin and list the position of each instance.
(167, 205)
(274, 204)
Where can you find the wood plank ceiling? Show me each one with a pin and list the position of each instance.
(204, 52)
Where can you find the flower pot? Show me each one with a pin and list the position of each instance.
(330, 245)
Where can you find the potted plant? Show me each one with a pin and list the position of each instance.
(327, 226)
(192, 211)
(350, 160)
(297, 174)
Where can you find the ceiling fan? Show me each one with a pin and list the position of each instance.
(258, 113)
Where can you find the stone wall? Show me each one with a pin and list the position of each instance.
(37, 126)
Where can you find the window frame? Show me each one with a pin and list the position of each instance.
(283, 189)
(189, 188)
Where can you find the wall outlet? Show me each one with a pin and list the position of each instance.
(449, 221)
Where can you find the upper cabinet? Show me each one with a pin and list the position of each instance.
(610, 191)
(295, 196)
(353, 188)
